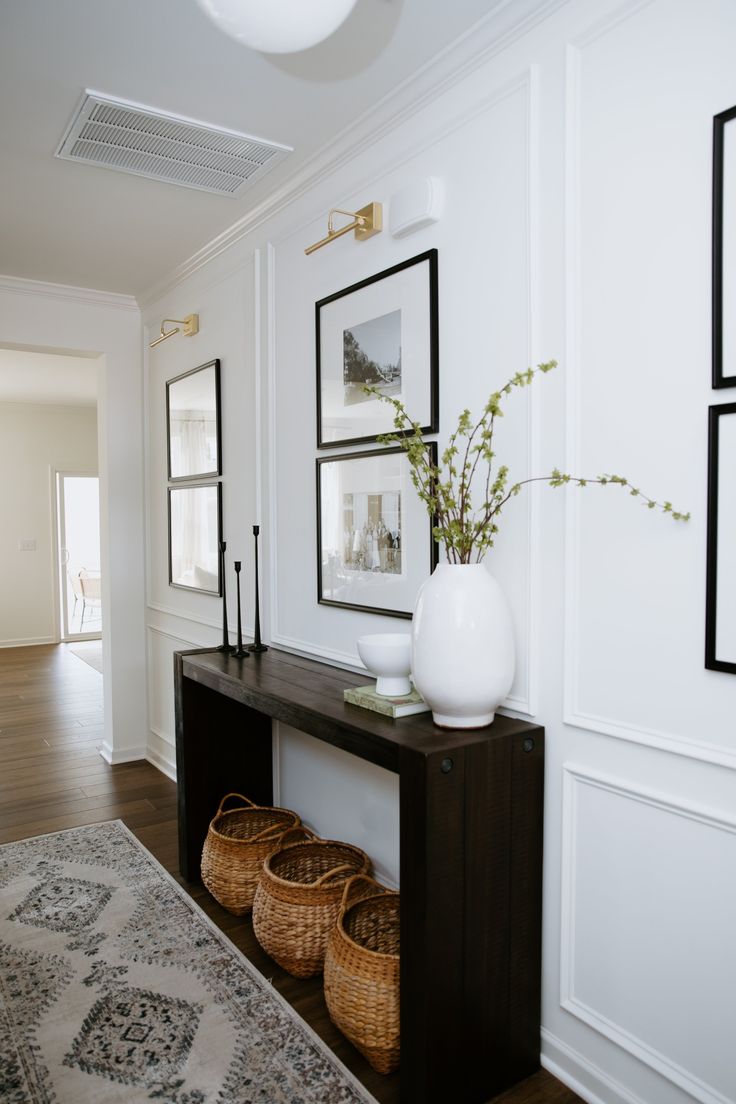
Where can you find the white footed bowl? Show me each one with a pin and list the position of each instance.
(388, 657)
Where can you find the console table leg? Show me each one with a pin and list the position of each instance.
(221, 746)
(471, 854)
(432, 879)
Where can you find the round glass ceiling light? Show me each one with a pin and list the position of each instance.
(278, 26)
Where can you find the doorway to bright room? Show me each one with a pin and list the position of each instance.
(80, 579)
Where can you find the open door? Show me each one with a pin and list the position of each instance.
(80, 598)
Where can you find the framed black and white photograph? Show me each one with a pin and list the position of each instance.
(381, 333)
(195, 530)
(724, 249)
(720, 620)
(193, 423)
(374, 536)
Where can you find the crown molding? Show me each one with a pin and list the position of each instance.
(65, 291)
(508, 21)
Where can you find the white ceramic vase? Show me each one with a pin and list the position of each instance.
(462, 645)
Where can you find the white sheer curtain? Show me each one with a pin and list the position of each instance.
(192, 439)
(194, 536)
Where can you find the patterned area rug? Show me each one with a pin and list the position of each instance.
(115, 987)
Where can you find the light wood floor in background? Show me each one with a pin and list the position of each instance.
(52, 777)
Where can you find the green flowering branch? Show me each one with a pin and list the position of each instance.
(468, 529)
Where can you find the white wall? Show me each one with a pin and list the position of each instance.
(52, 318)
(577, 164)
(35, 440)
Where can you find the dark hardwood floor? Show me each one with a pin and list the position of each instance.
(52, 777)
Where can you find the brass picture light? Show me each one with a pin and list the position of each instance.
(190, 324)
(366, 222)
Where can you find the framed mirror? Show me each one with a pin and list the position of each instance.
(193, 423)
(720, 619)
(195, 530)
(724, 248)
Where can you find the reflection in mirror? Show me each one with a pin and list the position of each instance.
(193, 420)
(720, 648)
(195, 529)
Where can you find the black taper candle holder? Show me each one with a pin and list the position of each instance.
(257, 645)
(240, 652)
(226, 646)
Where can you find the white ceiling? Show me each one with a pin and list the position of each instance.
(47, 378)
(91, 227)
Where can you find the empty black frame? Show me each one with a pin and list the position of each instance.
(429, 366)
(724, 253)
(715, 476)
(215, 468)
(184, 488)
(418, 511)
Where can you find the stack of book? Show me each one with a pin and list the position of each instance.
(367, 698)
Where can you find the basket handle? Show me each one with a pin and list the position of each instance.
(248, 803)
(331, 873)
(310, 835)
(349, 886)
(275, 832)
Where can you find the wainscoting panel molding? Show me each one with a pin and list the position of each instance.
(161, 752)
(644, 884)
(585, 1078)
(594, 720)
(161, 744)
(271, 558)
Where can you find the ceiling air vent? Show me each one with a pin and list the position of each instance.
(135, 139)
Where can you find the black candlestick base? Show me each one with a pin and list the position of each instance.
(228, 649)
(258, 648)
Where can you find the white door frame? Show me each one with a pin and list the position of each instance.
(53, 318)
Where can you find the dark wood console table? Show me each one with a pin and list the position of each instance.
(470, 851)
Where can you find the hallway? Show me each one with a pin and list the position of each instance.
(52, 777)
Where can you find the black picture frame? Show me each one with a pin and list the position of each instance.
(214, 559)
(712, 659)
(724, 358)
(175, 385)
(387, 583)
(423, 324)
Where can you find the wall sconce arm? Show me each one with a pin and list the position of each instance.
(190, 324)
(366, 222)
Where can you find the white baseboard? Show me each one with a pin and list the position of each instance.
(28, 642)
(122, 755)
(166, 766)
(590, 1082)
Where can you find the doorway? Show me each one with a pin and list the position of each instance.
(79, 575)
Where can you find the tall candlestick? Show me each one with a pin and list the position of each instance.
(257, 646)
(226, 646)
(240, 652)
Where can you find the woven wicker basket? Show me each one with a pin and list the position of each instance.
(238, 840)
(362, 973)
(298, 899)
